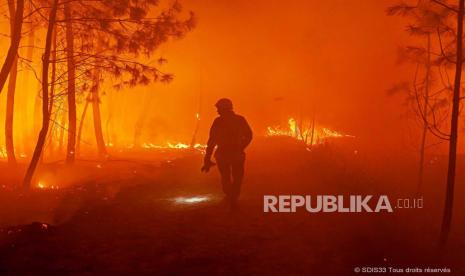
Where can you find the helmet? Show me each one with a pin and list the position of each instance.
(224, 104)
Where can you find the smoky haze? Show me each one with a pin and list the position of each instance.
(274, 59)
(278, 59)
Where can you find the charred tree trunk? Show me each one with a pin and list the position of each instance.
(29, 77)
(37, 104)
(10, 97)
(14, 45)
(449, 202)
(45, 100)
(81, 125)
(62, 132)
(10, 103)
(425, 115)
(71, 150)
(102, 151)
(52, 90)
(108, 122)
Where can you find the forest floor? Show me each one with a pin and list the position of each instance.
(129, 216)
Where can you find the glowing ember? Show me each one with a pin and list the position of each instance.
(310, 135)
(191, 200)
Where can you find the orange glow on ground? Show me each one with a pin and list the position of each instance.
(191, 200)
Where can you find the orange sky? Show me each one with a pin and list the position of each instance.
(337, 57)
(275, 59)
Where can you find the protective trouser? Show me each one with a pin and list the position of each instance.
(231, 168)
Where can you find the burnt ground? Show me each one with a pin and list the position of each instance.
(122, 217)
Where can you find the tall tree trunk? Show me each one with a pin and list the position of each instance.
(449, 202)
(14, 45)
(10, 98)
(81, 125)
(71, 150)
(9, 117)
(111, 104)
(62, 132)
(45, 101)
(102, 151)
(29, 77)
(37, 107)
(425, 114)
(52, 91)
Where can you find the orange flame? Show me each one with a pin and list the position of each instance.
(311, 135)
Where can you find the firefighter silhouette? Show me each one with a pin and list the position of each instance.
(230, 134)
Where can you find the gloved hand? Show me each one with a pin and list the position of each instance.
(207, 164)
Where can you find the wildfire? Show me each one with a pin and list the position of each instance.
(170, 145)
(41, 185)
(311, 135)
(178, 146)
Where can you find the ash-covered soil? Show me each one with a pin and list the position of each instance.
(156, 214)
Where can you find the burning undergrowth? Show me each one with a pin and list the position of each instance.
(308, 132)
